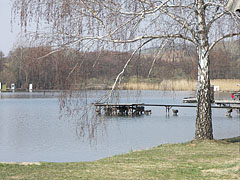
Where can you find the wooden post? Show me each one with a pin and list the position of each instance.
(175, 112)
(98, 110)
(229, 111)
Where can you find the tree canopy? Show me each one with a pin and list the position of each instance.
(123, 25)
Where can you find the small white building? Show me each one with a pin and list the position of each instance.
(30, 87)
(13, 87)
(216, 88)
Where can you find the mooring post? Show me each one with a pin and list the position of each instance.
(168, 109)
(175, 112)
(147, 112)
(229, 111)
(98, 110)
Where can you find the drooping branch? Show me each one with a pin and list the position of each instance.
(77, 65)
(119, 76)
(167, 36)
(153, 8)
(155, 58)
(50, 53)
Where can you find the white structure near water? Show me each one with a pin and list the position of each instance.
(30, 87)
(13, 87)
(216, 88)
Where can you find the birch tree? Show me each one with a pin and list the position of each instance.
(133, 24)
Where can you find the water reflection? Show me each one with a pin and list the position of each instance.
(30, 128)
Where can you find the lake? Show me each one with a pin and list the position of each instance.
(31, 128)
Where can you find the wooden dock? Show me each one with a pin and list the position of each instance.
(227, 102)
(120, 109)
(219, 102)
(139, 108)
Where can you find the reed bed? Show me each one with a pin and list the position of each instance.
(226, 84)
(181, 85)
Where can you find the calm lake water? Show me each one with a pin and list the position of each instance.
(31, 130)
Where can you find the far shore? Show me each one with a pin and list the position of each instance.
(221, 85)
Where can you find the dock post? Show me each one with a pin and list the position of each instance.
(98, 110)
(168, 109)
(175, 112)
(128, 110)
(147, 112)
(229, 111)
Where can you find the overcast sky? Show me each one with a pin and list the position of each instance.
(8, 35)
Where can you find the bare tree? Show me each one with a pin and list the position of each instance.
(1, 64)
(125, 25)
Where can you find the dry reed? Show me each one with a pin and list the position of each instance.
(182, 85)
(226, 84)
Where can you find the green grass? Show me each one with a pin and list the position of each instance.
(192, 160)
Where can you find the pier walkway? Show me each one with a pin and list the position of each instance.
(139, 108)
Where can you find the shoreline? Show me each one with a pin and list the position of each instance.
(208, 159)
(229, 140)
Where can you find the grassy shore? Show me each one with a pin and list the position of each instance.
(180, 85)
(193, 160)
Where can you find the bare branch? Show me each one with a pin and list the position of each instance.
(77, 65)
(214, 20)
(223, 37)
(155, 58)
(118, 79)
(50, 53)
(184, 24)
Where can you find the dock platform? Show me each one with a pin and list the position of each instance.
(139, 108)
(120, 109)
(227, 102)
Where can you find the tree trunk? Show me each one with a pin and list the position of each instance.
(204, 113)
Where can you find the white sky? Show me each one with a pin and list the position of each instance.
(8, 35)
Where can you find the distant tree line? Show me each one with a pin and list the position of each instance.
(70, 68)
